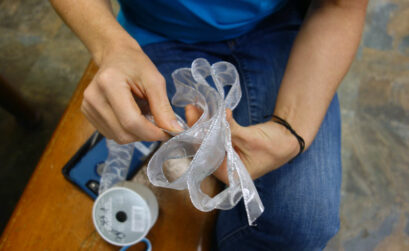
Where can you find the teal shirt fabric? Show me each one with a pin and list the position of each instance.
(192, 21)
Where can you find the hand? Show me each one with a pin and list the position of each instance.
(262, 148)
(126, 78)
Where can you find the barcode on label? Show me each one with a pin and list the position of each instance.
(138, 222)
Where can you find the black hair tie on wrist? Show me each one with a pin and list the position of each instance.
(286, 125)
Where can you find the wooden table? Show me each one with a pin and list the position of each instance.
(52, 214)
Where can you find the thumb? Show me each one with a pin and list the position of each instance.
(235, 128)
(160, 107)
(193, 114)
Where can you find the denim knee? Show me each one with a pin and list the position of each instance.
(306, 224)
(285, 225)
(301, 210)
(311, 231)
(302, 238)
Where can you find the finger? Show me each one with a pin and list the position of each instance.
(122, 131)
(99, 106)
(120, 134)
(221, 172)
(104, 117)
(100, 126)
(192, 114)
(229, 115)
(159, 104)
(129, 116)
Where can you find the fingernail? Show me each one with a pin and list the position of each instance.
(176, 126)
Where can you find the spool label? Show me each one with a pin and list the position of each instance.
(106, 217)
(138, 222)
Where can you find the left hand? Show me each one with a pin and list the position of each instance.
(262, 148)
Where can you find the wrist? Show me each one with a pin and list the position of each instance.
(291, 131)
(298, 121)
(292, 145)
(278, 135)
(113, 44)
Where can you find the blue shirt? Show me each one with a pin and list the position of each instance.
(191, 21)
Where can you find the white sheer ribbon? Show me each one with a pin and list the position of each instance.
(208, 141)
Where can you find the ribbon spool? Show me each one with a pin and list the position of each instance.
(124, 214)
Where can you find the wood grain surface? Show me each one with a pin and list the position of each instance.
(52, 214)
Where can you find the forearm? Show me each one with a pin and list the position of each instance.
(94, 23)
(320, 57)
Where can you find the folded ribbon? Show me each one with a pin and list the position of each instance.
(208, 141)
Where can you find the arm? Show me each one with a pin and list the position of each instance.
(320, 58)
(94, 23)
(124, 72)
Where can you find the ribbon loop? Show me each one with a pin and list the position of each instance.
(208, 141)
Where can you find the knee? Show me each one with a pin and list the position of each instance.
(314, 231)
(311, 226)
(306, 232)
(306, 224)
(286, 225)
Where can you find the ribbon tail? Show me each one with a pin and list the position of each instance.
(116, 165)
(252, 202)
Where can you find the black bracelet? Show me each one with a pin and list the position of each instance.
(286, 125)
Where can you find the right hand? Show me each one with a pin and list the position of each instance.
(109, 102)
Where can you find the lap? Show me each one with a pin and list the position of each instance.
(301, 200)
(302, 197)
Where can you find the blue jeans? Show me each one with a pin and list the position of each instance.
(302, 197)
